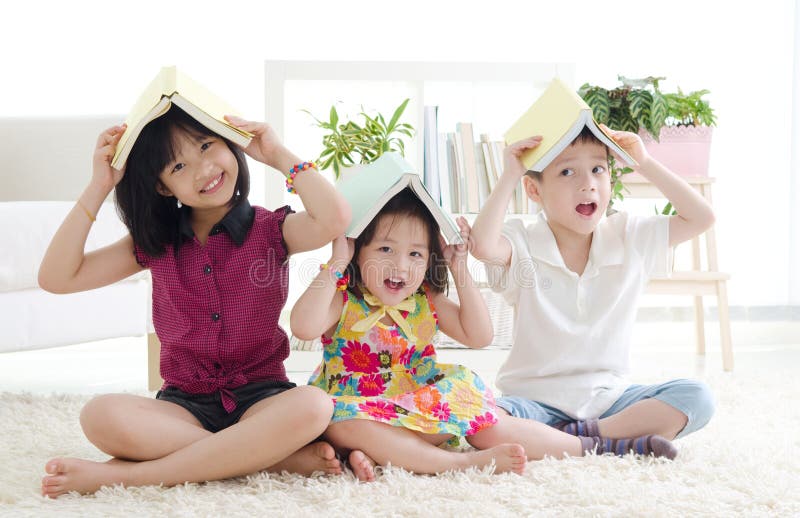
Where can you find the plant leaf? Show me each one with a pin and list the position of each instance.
(334, 117)
(597, 98)
(396, 115)
(640, 107)
(658, 114)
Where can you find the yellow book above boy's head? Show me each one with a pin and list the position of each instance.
(558, 115)
(369, 188)
(171, 86)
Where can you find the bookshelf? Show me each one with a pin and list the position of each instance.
(421, 80)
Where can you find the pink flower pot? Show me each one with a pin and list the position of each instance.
(683, 149)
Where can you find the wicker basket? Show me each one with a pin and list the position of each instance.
(502, 316)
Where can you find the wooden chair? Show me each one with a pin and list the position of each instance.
(697, 281)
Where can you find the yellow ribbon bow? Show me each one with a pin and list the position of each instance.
(370, 320)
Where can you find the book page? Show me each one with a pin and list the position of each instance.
(133, 130)
(206, 101)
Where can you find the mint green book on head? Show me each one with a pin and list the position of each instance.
(371, 186)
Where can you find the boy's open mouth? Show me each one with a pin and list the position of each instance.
(586, 209)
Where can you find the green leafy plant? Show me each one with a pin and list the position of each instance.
(348, 143)
(640, 103)
(617, 185)
(668, 210)
(689, 109)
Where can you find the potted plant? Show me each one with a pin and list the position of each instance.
(675, 127)
(349, 143)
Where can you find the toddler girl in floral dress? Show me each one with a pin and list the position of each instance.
(384, 300)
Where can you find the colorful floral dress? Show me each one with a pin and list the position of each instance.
(380, 375)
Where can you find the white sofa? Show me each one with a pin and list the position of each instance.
(44, 166)
(34, 319)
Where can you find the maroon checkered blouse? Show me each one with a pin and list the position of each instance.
(216, 306)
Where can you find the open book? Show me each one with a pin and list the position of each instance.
(171, 86)
(558, 115)
(370, 187)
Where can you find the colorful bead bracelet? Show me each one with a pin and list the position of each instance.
(341, 278)
(293, 172)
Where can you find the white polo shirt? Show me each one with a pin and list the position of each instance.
(572, 333)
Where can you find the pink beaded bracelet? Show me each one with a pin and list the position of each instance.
(293, 172)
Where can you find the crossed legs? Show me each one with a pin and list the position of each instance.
(537, 438)
(157, 442)
(415, 451)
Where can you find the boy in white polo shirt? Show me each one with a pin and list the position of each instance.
(574, 277)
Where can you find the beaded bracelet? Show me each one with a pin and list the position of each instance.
(293, 172)
(341, 279)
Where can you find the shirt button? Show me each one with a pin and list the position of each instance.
(215, 316)
(207, 269)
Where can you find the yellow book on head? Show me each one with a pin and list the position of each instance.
(172, 86)
(558, 115)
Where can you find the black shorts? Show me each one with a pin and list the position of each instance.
(208, 409)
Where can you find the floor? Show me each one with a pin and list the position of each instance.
(661, 350)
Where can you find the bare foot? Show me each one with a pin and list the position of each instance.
(83, 476)
(317, 456)
(363, 466)
(507, 457)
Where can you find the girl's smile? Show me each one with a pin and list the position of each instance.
(394, 285)
(214, 185)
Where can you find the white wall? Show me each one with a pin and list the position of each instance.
(93, 58)
(794, 186)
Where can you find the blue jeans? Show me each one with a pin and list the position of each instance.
(692, 398)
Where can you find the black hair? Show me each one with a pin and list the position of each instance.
(153, 219)
(405, 204)
(585, 137)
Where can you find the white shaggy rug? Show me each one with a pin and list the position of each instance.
(744, 463)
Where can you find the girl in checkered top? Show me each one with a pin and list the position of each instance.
(219, 269)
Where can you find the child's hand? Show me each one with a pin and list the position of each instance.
(103, 175)
(265, 143)
(342, 250)
(512, 164)
(455, 254)
(630, 142)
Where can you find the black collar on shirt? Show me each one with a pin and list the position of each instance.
(236, 223)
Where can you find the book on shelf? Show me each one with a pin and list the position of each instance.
(558, 115)
(447, 181)
(482, 173)
(172, 86)
(371, 186)
(465, 148)
(456, 173)
(430, 153)
(493, 161)
(492, 173)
